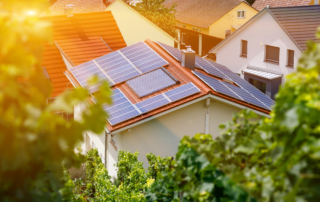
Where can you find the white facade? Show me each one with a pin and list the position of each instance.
(262, 31)
(162, 133)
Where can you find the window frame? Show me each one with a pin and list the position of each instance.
(288, 63)
(269, 60)
(241, 11)
(241, 50)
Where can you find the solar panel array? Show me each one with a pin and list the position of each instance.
(119, 66)
(143, 57)
(221, 71)
(174, 52)
(121, 109)
(86, 70)
(150, 82)
(230, 90)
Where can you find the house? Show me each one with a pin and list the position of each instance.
(204, 23)
(133, 26)
(267, 48)
(78, 38)
(161, 94)
(261, 4)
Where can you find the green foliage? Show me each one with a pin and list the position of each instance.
(92, 162)
(157, 165)
(67, 191)
(194, 178)
(156, 12)
(35, 143)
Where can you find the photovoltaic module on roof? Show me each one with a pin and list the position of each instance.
(151, 82)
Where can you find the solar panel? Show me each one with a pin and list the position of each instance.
(152, 103)
(86, 70)
(182, 92)
(174, 52)
(231, 90)
(216, 85)
(121, 109)
(220, 67)
(143, 57)
(206, 66)
(117, 67)
(150, 82)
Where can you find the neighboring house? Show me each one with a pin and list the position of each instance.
(133, 26)
(161, 95)
(197, 20)
(261, 4)
(77, 39)
(267, 47)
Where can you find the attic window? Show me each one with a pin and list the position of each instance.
(241, 14)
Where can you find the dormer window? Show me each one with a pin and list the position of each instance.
(241, 14)
(196, 29)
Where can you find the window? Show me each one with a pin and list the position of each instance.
(244, 48)
(184, 26)
(196, 29)
(228, 32)
(183, 38)
(258, 84)
(290, 61)
(272, 54)
(241, 14)
(178, 24)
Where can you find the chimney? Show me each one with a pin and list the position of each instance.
(316, 2)
(68, 10)
(188, 58)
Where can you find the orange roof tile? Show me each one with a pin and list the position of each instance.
(79, 37)
(183, 74)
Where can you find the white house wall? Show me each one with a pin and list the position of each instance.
(262, 31)
(162, 135)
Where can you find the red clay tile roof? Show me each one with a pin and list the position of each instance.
(261, 4)
(183, 74)
(78, 31)
(202, 13)
(83, 50)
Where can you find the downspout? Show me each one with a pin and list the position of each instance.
(207, 116)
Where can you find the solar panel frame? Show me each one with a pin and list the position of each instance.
(151, 82)
(152, 103)
(182, 92)
(209, 68)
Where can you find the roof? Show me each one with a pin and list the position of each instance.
(299, 22)
(262, 72)
(261, 4)
(202, 13)
(78, 36)
(80, 6)
(181, 74)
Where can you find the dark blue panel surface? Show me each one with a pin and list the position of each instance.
(117, 67)
(152, 103)
(86, 70)
(182, 92)
(216, 85)
(143, 57)
(150, 82)
(174, 52)
(121, 108)
(206, 66)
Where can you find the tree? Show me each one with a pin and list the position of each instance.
(160, 15)
(276, 159)
(36, 143)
